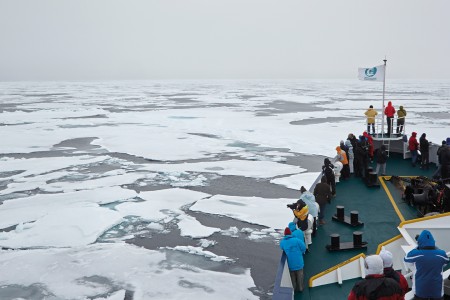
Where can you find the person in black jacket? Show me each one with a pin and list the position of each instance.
(437, 173)
(328, 172)
(323, 196)
(425, 150)
(382, 157)
(445, 162)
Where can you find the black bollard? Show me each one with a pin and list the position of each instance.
(373, 177)
(340, 212)
(335, 240)
(340, 217)
(357, 239)
(354, 217)
(336, 245)
(368, 171)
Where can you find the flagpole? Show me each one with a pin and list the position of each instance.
(384, 86)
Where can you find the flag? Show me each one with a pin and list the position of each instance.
(371, 74)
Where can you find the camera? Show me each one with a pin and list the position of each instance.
(292, 206)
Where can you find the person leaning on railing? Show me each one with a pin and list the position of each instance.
(429, 262)
(371, 114)
(401, 115)
(294, 249)
(389, 111)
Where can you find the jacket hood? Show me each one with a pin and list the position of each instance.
(308, 196)
(365, 134)
(414, 134)
(292, 226)
(401, 107)
(338, 148)
(389, 103)
(426, 239)
(327, 161)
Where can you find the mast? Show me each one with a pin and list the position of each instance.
(384, 86)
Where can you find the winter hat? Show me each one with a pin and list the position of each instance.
(302, 189)
(444, 142)
(287, 231)
(373, 265)
(386, 256)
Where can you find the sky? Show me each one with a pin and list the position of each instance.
(222, 39)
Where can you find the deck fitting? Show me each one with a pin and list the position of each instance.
(336, 245)
(371, 178)
(352, 220)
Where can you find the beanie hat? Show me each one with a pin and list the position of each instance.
(302, 189)
(287, 231)
(386, 256)
(373, 265)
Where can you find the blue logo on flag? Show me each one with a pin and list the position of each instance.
(371, 72)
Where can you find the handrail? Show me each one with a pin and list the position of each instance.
(378, 123)
(282, 292)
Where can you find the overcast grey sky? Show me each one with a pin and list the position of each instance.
(176, 39)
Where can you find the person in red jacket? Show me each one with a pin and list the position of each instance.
(413, 147)
(375, 286)
(391, 273)
(389, 111)
(370, 140)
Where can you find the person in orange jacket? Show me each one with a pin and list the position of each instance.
(342, 157)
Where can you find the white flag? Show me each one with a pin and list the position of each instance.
(371, 74)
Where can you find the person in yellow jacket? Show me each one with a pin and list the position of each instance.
(371, 114)
(401, 115)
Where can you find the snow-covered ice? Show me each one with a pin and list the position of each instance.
(86, 166)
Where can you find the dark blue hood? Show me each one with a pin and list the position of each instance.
(426, 240)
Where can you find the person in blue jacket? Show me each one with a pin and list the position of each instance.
(297, 233)
(294, 249)
(429, 262)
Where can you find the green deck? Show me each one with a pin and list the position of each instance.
(380, 224)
